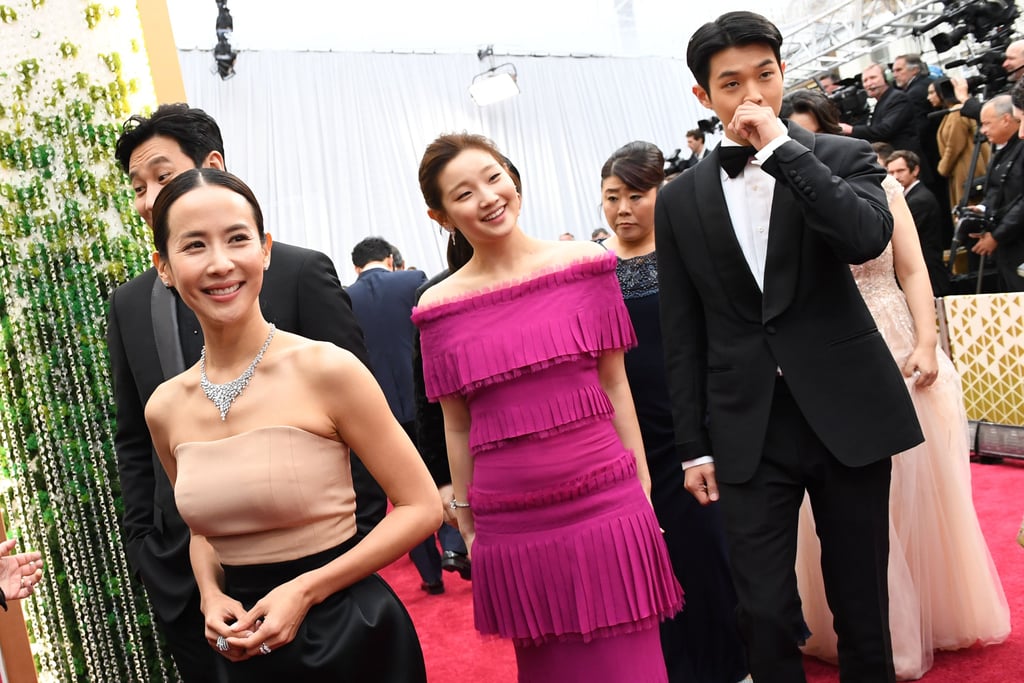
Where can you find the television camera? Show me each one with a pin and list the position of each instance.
(988, 22)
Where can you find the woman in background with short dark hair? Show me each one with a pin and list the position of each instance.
(702, 644)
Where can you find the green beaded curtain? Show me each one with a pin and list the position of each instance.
(70, 72)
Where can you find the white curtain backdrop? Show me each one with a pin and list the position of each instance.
(330, 142)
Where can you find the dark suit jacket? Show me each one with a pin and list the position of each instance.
(1004, 202)
(301, 293)
(1004, 187)
(928, 148)
(382, 301)
(693, 160)
(927, 213)
(725, 340)
(892, 121)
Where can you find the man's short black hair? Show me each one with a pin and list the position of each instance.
(732, 29)
(371, 249)
(195, 131)
(696, 134)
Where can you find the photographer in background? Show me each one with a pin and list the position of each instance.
(1004, 187)
(1013, 65)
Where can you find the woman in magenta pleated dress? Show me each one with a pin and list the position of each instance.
(523, 346)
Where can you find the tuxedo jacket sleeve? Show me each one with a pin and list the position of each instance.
(725, 339)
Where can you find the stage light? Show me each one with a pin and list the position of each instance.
(496, 84)
(224, 57)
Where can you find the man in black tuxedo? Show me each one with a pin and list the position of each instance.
(905, 166)
(153, 336)
(1004, 193)
(780, 380)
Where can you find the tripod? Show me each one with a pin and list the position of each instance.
(967, 220)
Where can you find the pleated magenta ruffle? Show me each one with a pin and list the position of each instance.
(547, 414)
(561, 315)
(605, 577)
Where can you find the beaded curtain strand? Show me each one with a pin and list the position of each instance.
(70, 73)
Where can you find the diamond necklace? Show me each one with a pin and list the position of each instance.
(223, 395)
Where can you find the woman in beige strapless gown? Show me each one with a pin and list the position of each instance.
(260, 464)
(944, 592)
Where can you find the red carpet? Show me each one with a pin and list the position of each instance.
(454, 650)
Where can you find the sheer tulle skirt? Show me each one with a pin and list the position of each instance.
(944, 591)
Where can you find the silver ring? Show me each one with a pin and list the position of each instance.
(222, 644)
(917, 373)
(264, 649)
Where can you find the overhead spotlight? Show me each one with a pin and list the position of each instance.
(496, 84)
(224, 57)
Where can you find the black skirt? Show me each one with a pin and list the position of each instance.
(361, 634)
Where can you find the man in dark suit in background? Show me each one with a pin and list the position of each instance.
(905, 166)
(779, 378)
(1004, 193)
(152, 336)
(382, 300)
(910, 74)
(892, 119)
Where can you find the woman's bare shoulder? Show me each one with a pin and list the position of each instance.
(455, 285)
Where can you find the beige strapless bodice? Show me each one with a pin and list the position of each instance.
(267, 495)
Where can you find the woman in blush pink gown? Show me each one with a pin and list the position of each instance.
(523, 346)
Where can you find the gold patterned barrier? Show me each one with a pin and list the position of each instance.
(986, 343)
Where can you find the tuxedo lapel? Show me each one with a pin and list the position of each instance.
(726, 255)
(781, 270)
(163, 310)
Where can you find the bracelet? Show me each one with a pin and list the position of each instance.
(3, 599)
(455, 505)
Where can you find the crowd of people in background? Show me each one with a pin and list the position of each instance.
(732, 390)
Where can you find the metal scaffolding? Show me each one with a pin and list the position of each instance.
(822, 36)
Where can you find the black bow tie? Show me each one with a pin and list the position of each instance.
(733, 159)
